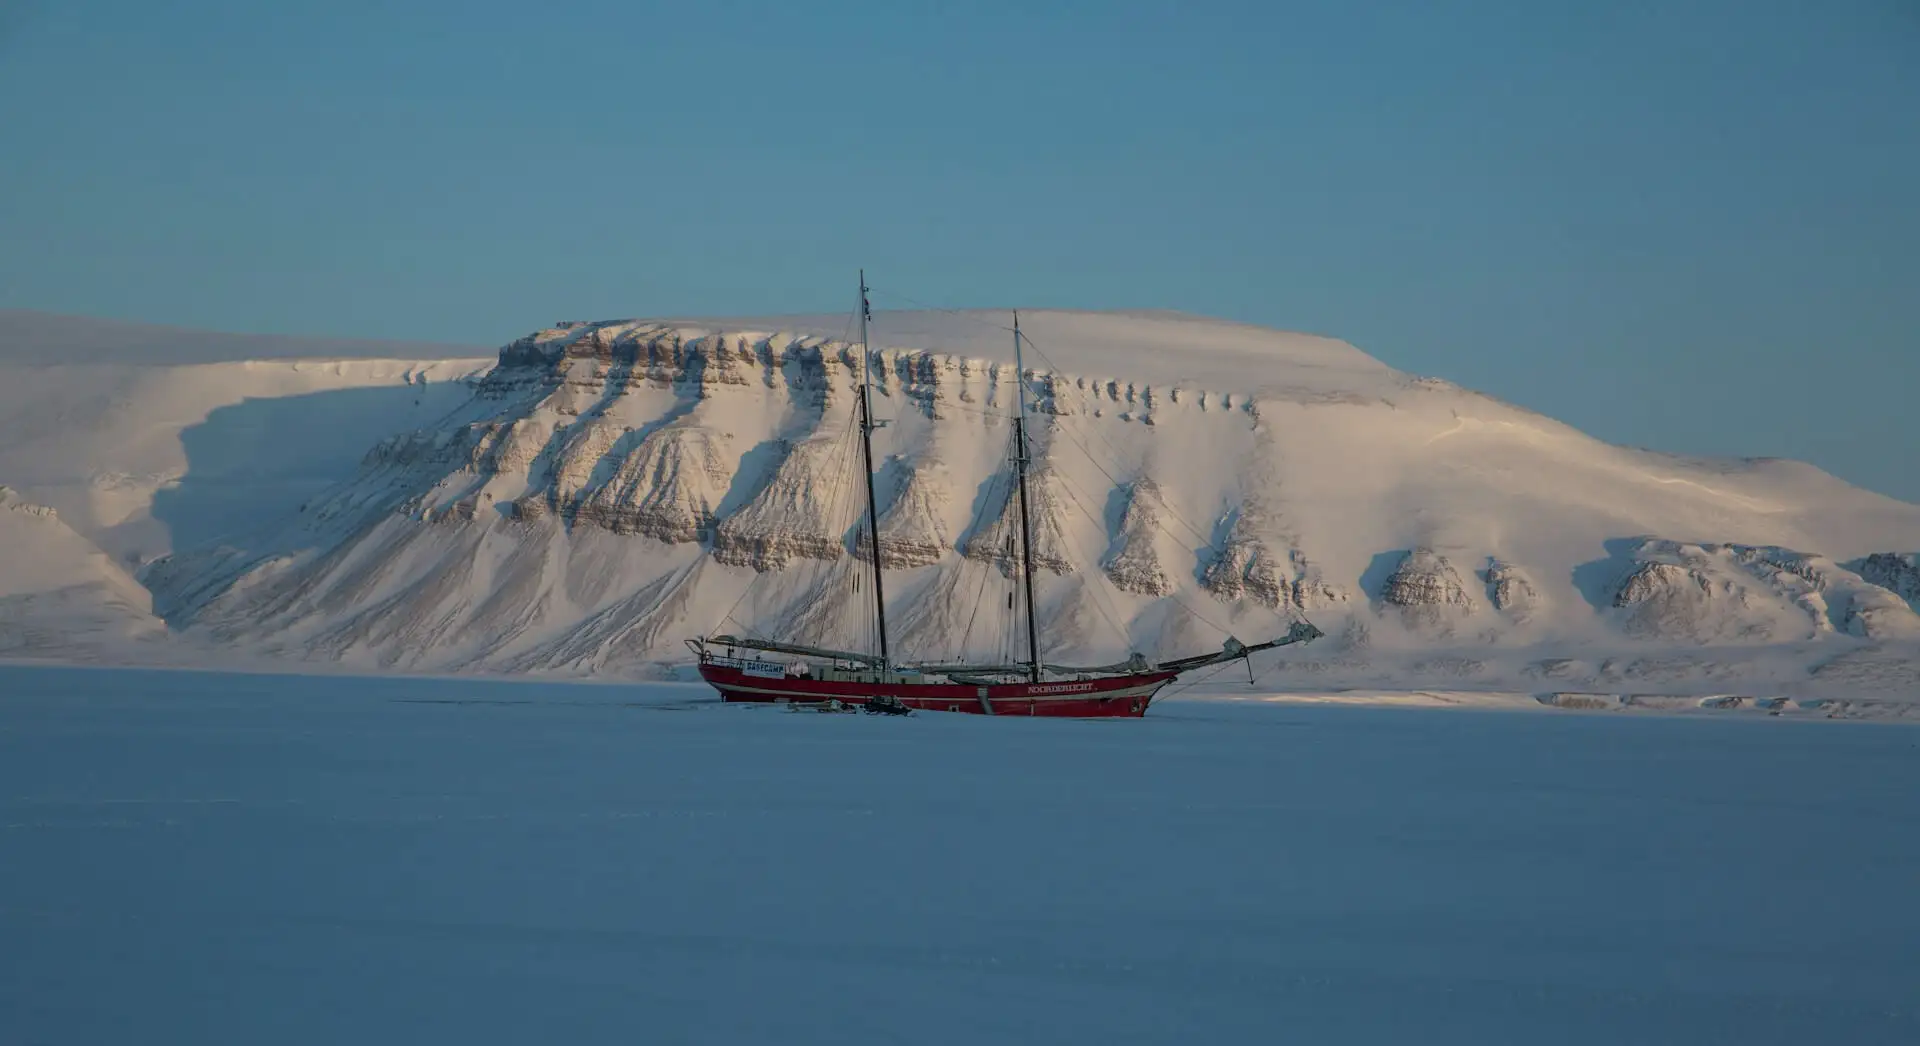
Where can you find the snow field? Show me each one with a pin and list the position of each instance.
(198, 858)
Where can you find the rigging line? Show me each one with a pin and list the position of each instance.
(1206, 543)
(853, 317)
(963, 581)
(1058, 374)
(1173, 595)
(839, 483)
(986, 535)
(871, 528)
(958, 651)
(983, 412)
(1002, 562)
(826, 575)
(837, 510)
(1094, 563)
(955, 403)
(812, 578)
(1013, 652)
(1271, 669)
(1016, 575)
(1010, 621)
(839, 505)
(969, 316)
(852, 577)
(1075, 495)
(758, 575)
(987, 569)
(870, 524)
(814, 574)
(1183, 687)
(1000, 558)
(990, 418)
(989, 537)
(744, 593)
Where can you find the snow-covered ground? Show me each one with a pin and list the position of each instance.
(199, 858)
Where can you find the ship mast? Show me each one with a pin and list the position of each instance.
(1020, 460)
(866, 446)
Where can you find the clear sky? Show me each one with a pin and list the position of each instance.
(1692, 225)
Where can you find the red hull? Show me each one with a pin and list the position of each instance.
(1106, 697)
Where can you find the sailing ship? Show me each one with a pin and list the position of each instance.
(767, 670)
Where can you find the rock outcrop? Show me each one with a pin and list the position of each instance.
(1752, 594)
(667, 487)
(913, 529)
(1897, 573)
(11, 501)
(1247, 566)
(1510, 590)
(1258, 561)
(1667, 601)
(1427, 591)
(805, 511)
(996, 536)
(1133, 563)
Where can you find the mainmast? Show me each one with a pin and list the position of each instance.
(1020, 459)
(866, 446)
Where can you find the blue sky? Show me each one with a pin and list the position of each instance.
(1693, 226)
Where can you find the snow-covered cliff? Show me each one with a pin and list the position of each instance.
(600, 490)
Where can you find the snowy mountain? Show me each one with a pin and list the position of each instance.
(596, 492)
(60, 596)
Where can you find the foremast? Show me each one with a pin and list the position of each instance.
(1021, 458)
(866, 449)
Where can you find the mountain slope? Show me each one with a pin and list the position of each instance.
(60, 596)
(602, 490)
(147, 439)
